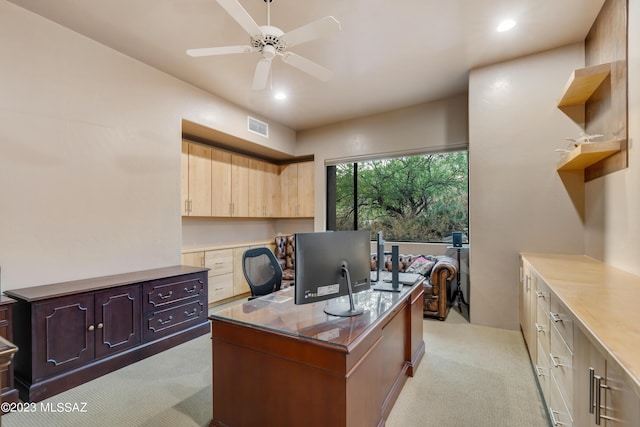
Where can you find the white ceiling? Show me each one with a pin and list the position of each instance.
(389, 54)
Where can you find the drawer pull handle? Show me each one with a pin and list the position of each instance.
(191, 313)
(190, 291)
(539, 328)
(592, 385)
(555, 317)
(165, 296)
(554, 360)
(598, 386)
(540, 294)
(539, 371)
(164, 322)
(554, 421)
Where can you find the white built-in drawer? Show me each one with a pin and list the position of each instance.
(562, 320)
(561, 362)
(219, 261)
(220, 287)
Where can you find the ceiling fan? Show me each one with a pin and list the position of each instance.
(271, 41)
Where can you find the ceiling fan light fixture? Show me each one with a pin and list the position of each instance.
(506, 25)
(280, 95)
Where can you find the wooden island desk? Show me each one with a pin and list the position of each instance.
(280, 364)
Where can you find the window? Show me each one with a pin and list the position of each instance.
(421, 198)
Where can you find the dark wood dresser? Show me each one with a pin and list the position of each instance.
(72, 332)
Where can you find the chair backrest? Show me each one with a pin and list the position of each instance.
(262, 271)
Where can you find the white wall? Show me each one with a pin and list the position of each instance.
(90, 144)
(613, 201)
(438, 125)
(518, 201)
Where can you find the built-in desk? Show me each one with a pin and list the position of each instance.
(277, 363)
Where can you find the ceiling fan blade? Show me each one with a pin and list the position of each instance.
(241, 16)
(225, 50)
(262, 74)
(309, 67)
(321, 28)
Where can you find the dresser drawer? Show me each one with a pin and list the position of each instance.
(174, 319)
(220, 287)
(560, 415)
(163, 292)
(561, 362)
(543, 296)
(562, 320)
(219, 261)
(543, 327)
(543, 371)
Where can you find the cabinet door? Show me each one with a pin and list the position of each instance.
(306, 184)
(526, 309)
(64, 334)
(184, 169)
(199, 180)
(195, 259)
(117, 319)
(257, 188)
(586, 357)
(220, 183)
(622, 403)
(240, 285)
(289, 190)
(272, 190)
(240, 186)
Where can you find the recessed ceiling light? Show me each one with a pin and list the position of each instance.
(280, 96)
(506, 25)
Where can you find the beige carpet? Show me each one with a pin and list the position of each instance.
(470, 376)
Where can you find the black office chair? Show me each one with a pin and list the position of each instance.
(262, 271)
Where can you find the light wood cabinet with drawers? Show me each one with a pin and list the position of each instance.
(576, 350)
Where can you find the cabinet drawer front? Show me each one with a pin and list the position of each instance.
(543, 371)
(543, 327)
(557, 406)
(220, 287)
(219, 261)
(174, 319)
(160, 293)
(562, 320)
(543, 295)
(561, 361)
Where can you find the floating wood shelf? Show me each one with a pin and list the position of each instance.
(585, 155)
(582, 84)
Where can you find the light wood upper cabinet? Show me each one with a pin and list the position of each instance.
(198, 186)
(220, 183)
(297, 190)
(264, 186)
(239, 186)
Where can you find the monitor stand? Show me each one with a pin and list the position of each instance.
(387, 286)
(343, 309)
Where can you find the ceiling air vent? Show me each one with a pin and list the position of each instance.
(257, 126)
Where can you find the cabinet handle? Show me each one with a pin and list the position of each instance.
(164, 322)
(592, 386)
(186, 206)
(539, 371)
(597, 388)
(165, 296)
(91, 328)
(100, 326)
(539, 328)
(554, 421)
(555, 317)
(190, 291)
(540, 294)
(554, 360)
(191, 313)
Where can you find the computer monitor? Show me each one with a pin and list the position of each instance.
(331, 264)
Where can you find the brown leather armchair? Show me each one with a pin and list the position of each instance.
(285, 252)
